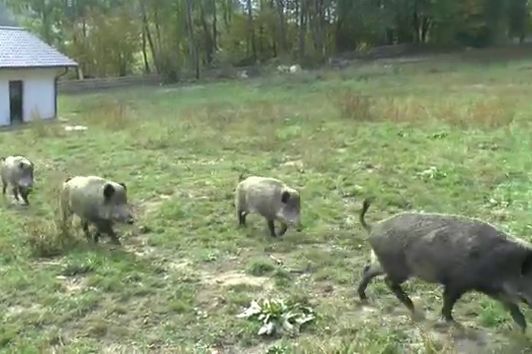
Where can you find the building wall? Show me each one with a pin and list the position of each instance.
(38, 93)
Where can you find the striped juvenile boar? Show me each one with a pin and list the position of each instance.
(270, 198)
(97, 201)
(462, 254)
(17, 171)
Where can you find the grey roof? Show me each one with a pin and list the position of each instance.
(21, 49)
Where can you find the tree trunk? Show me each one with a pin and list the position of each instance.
(154, 53)
(251, 30)
(416, 25)
(208, 36)
(425, 27)
(214, 25)
(318, 27)
(144, 52)
(302, 28)
(282, 27)
(192, 42)
(228, 10)
(45, 23)
(157, 27)
(84, 27)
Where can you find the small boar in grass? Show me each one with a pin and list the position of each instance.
(17, 171)
(462, 254)
(270, 198)
(97, 201)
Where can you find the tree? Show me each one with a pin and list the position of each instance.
(192, 41)
(118, 37)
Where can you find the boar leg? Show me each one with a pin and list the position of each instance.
(450, 296)
(517, 315)
(395, 287)
(97, 235)
(24, 195)
(108, 229)
(271, 227)
(4, 187)
(284, 227)
(370, 271)
(242, 218)
(15, 193)
(85, 228)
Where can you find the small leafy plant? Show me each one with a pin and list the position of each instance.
(278, 317)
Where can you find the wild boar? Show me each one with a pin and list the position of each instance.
(270, 198)
(463, 254)
(17, 171)
(98, 201)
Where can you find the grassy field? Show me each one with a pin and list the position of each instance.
(443, 136)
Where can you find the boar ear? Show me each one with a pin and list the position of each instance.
(285, 196)
(526, 267)
(108, 191)
(123, 185)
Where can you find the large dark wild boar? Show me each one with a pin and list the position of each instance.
(462, 254)
(17, 171)
(270, 198)
(98, 201)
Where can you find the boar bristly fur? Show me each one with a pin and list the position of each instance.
(17, 171)
(97, 201)
(463, 254)
(270, 198)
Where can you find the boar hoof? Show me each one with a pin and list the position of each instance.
(363, 300)
(444, 323)
(362, 295)
(271, 228)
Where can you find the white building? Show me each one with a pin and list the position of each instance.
(29, 69)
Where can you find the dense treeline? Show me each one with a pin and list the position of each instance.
(117, 37)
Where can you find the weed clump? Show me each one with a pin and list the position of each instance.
(47, 238)
(110, 114)
(353, 105)
(278, 316)
(260, 267)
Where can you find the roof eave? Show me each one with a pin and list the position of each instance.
(75, 65)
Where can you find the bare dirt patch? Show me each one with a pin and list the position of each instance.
(139, 247)
(152, 205)
(461, 339)
(17, 310)
(232, 278)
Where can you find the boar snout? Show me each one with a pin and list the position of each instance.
(25, 184)
(123, 216)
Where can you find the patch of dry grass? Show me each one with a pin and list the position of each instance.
(48, 238)
(109, 113)
(353, 105)
(480, 112)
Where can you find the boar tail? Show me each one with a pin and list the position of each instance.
(365, 207)
(241, 177)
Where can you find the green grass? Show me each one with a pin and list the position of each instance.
(438, 136)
